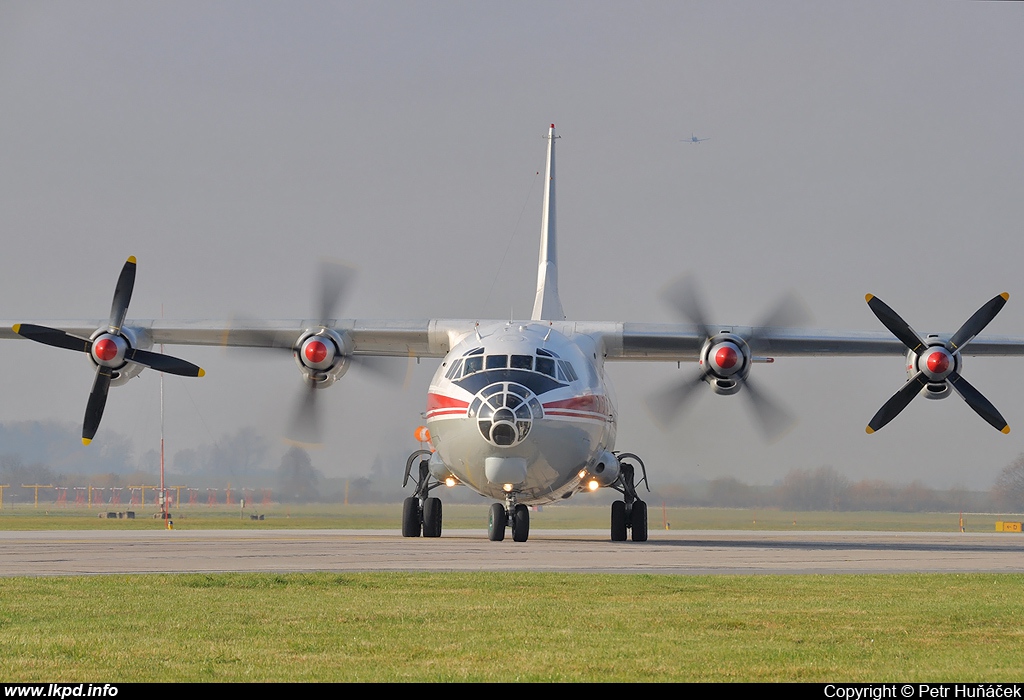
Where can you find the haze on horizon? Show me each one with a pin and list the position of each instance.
(856, 148)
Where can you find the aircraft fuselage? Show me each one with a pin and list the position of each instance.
(519, 408)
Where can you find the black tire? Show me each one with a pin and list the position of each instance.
(520, 523)
(432, 517)
(496, 523)
(411, 523)
(618, 521)
(639, 521)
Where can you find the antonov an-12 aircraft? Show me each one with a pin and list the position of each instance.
(521, 411)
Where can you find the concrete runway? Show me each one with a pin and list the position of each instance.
(582, 551)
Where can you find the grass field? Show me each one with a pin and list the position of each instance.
(512, 627)
(460, 516)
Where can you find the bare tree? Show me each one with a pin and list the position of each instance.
(821, 489)
(297, 478)
(1008, 491)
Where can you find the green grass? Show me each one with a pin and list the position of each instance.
(461, 516)
(512, 627)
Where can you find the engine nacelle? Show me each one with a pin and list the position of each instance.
(605, 469)
(108, 350)
(725, 361)
(323, 355)
(935, 363)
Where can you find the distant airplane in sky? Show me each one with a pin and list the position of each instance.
(694, 139)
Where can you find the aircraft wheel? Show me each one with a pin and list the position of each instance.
(432, 517)
(618, 521)
(496, 523)
(639, 518)
(520, 523)
(411, 523)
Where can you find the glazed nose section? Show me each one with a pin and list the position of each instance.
(504, 413)
(503, 431)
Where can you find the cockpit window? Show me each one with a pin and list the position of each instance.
(545, 365)
(497, 361)
(455, 370)
(566, 369)
(522, 362)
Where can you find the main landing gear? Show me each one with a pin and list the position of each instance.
(630, 513)
(421, 512)
(504, 514)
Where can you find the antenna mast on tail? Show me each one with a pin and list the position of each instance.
(547, 306)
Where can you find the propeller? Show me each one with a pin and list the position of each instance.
(109, 350)
(937, 363)
(321, 353)
(305, 425)
(729, 354)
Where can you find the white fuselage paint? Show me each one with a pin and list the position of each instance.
(575, 424)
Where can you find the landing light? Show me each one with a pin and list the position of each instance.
(507, 488)
(593, 485)
(583, 473)
(450, 481)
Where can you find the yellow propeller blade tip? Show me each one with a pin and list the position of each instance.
(1005, 431)
(16, 328)
(1005, 296)
(869, 297)
(131, 259)
(869, 430)
(202, 372)
(86, 441)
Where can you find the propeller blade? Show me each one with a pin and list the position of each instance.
(982, 406)
(52, 336)
(976, 324)
(666, 405)
(789, 312)
(900, 400)
(335, 278)
(305, 423)
(389, 369)
(772, 417)
(122, 295)
(97, 400)
(892, 320)
(164, 363)
(682, 295)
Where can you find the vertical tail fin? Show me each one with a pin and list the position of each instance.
(547, 306)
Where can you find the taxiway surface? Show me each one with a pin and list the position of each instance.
(55, 553)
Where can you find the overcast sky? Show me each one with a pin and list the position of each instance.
(855, 147)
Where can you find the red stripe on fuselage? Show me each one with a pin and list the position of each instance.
(579, 415)
(590, 403)
(440, 401)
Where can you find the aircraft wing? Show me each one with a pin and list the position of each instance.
(657, 342)
(683, 342)
(386, 338)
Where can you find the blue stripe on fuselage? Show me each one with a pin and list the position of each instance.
(534, 381)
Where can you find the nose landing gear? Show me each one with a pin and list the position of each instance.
(499, 518)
